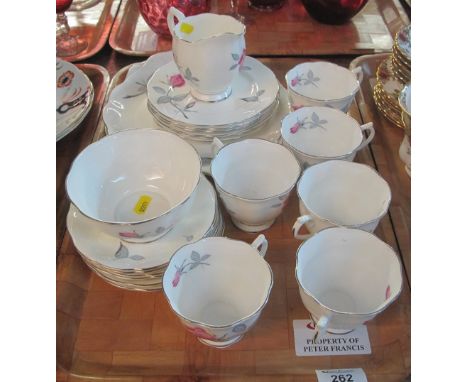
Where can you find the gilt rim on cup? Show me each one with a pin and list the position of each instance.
(375, 312)
(244, 28)
(352, 94)
(149, 219)
(351, 226)
(259, 199)
(341, 156)
(258, 310)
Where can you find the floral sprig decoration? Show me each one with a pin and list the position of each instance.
(195, 261)
(305, 79)
(313, 121)
(174, 81)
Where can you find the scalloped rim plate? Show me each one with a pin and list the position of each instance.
(113, 253)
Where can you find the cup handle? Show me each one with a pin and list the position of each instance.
(320, 325)
(216, 145)
(359, 73)
(300, 221)
(171, 15)
(370, 128)
(260, 244)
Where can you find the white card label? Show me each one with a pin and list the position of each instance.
(341, 375)
(307, 343)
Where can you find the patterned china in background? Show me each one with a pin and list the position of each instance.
(74, 97)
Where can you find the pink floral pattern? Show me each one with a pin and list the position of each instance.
(305, 79)
(294, 128)
(239, 61)
(176, 101)
(135, 235)
(242, 58)
(311, 121)
(194, 261)
(201, 333)
(387, 292)
(297, 107)
(205, 334)
(176, 81)
(176, 279)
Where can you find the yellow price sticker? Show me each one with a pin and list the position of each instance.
(186, 28)
(142, 205)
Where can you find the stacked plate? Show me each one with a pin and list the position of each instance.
(392, 75)
(74, 97)
(386, 92)
(127, 107)
(253, 101)
(141, 266)
(401, 55)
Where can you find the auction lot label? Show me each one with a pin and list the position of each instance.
(308, 344)
(341, 375)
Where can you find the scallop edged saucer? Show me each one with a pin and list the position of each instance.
(113, 253)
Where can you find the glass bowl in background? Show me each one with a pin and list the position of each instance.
(333, 11)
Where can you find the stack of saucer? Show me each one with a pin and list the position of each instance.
(392, 75)
(386, 92)
(140, 266)
(254, 99)
(401, 54)
(74, 97)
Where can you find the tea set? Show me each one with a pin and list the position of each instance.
(144, 217)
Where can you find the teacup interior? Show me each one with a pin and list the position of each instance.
(345, 193)
(255, 169)
(111, 177)
(321, 131)
(208, 25)
(349, 270)
(228, 282)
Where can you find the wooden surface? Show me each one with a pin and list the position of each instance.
(294, 31)
(72, 144)
(387, 161)
(118, 335)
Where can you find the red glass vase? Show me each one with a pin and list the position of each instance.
(154, 12)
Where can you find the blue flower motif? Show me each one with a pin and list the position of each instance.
(239, 328)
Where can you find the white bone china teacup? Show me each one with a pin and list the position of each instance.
(346, 277)
(254, 179)
(316, 134)
(340, 193)
(322, 83)
(218, 287)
